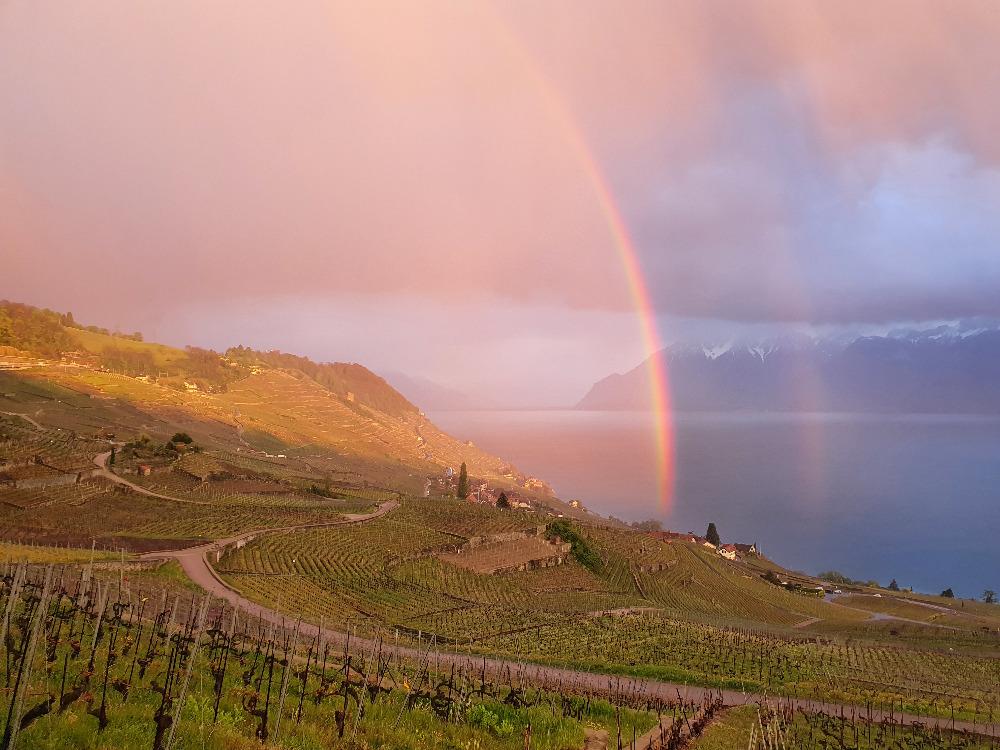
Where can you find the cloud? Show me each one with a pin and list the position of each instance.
(774, 160)
(526, 355)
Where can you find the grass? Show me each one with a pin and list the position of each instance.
(103, 672)
(41, 554)
(164, 357)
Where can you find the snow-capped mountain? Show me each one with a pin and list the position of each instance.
(947, 368)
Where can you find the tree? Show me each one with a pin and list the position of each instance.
(948, 593)
(463, 482)
(990, 596)
(712, 535)
(502, 501)
(181, 437)
(834, 576)
(111, 458)
(893, 586)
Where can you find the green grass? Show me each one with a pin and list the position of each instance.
(474, 720)
(41, 554)
(165, 357)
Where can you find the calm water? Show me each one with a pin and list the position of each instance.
(916, 498)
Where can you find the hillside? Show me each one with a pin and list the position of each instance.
(341, 415)
(931, 372)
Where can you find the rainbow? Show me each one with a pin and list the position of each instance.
(659, 382)
(567, 128)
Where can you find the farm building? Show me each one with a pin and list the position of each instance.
(747, 549)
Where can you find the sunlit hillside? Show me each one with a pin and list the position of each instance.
(342, 417)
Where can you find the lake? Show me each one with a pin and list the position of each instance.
(911, 497)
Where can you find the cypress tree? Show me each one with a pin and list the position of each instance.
(463, 482)
(712, 534)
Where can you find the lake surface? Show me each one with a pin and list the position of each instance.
(916, 498)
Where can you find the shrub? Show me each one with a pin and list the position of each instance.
(582, 551)
(482, 717)
(834, 576)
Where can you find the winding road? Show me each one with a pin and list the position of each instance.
(101, 461)
(194, 561)
(195, 564)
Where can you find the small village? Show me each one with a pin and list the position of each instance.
(481, 493)
(728, 551)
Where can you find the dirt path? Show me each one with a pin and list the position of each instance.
(195, 564)
(876, 616)
(101, 461)
(595, 739)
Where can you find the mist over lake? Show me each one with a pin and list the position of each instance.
(910, 497)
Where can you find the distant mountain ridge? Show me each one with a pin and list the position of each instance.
(943, 370)
(433, 396)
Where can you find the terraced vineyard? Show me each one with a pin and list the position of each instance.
(382, 575)
(757, 660)
(117, 516)
(278, 449)
(21, 442)
(464, 520)
(37, 498)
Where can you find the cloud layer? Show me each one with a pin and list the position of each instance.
(774, 161)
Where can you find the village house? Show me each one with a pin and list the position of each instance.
(728, 551)
(747, 549)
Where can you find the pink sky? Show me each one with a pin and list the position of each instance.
(394, 183)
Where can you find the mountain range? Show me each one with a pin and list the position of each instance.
(947, 369)
(432, 396)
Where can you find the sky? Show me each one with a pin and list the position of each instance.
(433, 188)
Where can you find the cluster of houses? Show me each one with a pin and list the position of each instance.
(728, 551)
(480, 491)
